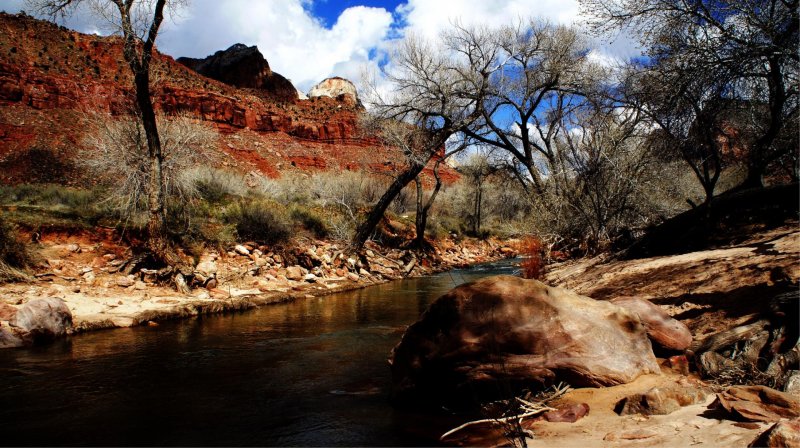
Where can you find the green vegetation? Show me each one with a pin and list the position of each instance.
(259, 220)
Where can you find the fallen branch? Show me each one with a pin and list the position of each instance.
(498, 420)
(530, 409)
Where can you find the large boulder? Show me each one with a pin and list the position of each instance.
(506, 332)
(665, 331)
(41, 320)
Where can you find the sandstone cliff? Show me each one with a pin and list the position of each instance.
(56, 84)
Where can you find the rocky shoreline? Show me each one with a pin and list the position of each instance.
(89, 278)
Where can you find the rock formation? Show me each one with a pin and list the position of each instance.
(758, 403)
(661, 401)
(57, 86)
(503, 332)
(336, 87)
(782, 434)
(663, 330)
(39, 320)
(243, 66)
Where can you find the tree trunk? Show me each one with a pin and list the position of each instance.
(156, 225)
(760, 155)
(476, 223)
(421, 220)
(418, 219)
(365, 229)
(754, 179)
(157, 242)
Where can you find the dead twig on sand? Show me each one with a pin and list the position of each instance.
(526, 409)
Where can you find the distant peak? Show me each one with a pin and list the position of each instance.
(239, 47)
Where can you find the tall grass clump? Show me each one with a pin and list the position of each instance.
(14, 255)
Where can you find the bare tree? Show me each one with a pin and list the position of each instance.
(424, 207)
(120, 160)
(138, 21)
(477, 168)
(602, 165)
(750, 44)
(437, 92)
(540, 82)
(689, 113)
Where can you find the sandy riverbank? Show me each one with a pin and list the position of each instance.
(85, 274)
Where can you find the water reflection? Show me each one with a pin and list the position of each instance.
(312, 372)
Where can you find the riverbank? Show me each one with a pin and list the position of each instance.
(87, 273)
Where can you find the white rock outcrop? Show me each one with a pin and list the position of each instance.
(333, 87)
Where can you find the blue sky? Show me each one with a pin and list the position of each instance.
(309, 40)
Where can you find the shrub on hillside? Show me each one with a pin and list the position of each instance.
(309, 219)
(120, 160)
(260, 220)
(14, 255)
(215, 185)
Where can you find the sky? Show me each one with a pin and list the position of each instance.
(310, 40)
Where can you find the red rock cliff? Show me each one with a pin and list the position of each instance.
(54, 83)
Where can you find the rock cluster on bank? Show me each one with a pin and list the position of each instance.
(92, 280)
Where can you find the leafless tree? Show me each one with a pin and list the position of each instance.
(540, 82)
(119, 158)
(689, 114)
(602, 165)
(138, 22)
(477, 168)
(751, 45)
(438, 90)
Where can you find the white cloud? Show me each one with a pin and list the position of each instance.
(428, 18)
(296, 44)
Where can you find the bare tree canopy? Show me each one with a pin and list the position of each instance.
(438, 90)
(542, 77)
(745, 50)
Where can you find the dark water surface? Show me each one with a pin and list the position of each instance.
(312, 372)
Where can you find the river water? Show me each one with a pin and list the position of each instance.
(311, 372)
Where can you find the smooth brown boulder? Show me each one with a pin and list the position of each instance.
(492, 336)
(294, 273)
(665, 331)
(41, 320)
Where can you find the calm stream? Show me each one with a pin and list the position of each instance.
(311, 372)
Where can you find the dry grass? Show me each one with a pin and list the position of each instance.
(14, 255)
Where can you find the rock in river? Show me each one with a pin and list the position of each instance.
(40, 320)
(505, 332)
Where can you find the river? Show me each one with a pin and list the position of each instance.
(309, 373)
